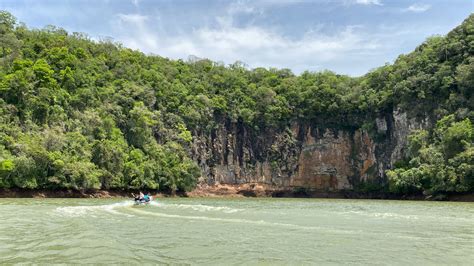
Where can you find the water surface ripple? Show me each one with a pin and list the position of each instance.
(236, 231)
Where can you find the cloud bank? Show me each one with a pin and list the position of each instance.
(255, 45)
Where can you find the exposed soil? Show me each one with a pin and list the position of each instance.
(227, 190)
(261, 190)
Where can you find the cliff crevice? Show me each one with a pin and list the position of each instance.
(304, 155)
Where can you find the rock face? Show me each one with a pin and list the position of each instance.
(307, 156)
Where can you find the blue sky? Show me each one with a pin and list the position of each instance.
(346, 36)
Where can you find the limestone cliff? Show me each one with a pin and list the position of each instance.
(305, 156)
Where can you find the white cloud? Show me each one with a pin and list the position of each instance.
(257, 46)
(240, 7)
(135, 2)
(418, 8)
(138, 34)
(369, 2)
(133, 18)
(349, 50)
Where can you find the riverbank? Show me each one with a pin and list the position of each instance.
(231, 191)
(260, 190)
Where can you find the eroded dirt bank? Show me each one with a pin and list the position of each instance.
(226, 190)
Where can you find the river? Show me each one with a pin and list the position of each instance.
(264, 231)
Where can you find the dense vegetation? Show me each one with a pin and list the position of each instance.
(442, 162)
(82, 114)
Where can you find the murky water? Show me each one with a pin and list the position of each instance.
(236, 231)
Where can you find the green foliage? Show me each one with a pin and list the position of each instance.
(440, 164)
(370, 187)
(82, 114)
(24, 175)
(6, 168)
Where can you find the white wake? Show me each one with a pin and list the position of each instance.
(196, 207)
(78, 211)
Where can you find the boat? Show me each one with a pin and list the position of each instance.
(142, 202)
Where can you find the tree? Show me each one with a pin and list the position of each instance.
(439, 164)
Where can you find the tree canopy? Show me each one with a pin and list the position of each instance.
(77, 113)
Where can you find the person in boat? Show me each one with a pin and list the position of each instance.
(139, 198)
(146, 197)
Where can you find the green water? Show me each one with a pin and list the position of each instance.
(236, 231)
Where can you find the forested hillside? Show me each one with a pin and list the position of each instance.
(77, 113)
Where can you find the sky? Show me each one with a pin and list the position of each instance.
(346, 36)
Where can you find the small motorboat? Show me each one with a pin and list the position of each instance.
(145, 200)
(142, 201)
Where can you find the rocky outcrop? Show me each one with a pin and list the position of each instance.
(304, 156)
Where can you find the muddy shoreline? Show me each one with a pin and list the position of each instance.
(230, 191)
